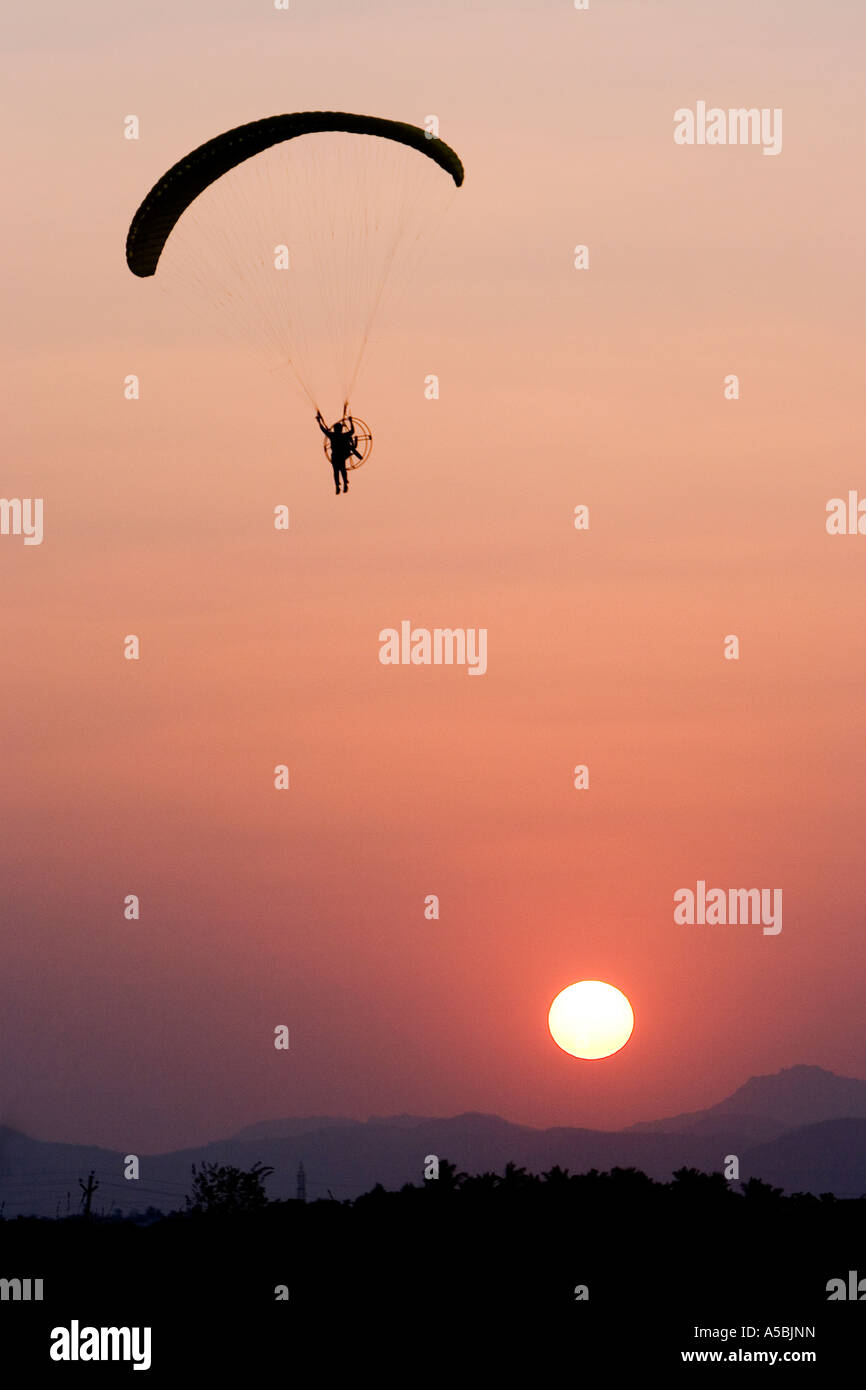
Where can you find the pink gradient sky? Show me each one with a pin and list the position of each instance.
(606, 648)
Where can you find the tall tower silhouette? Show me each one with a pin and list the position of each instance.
(302, 1183)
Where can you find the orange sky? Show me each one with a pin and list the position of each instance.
(558, 387)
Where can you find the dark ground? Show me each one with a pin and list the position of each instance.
(456, 1280)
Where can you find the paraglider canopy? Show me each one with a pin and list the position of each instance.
(294, 240)
(188, 178)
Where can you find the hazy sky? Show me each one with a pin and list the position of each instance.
(605, 647)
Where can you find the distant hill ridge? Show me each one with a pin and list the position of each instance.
(803, 1129)
(283, 1129)
(794, 1096)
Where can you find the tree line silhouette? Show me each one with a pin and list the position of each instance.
(594, 1250)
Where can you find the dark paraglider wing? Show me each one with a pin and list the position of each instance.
(184, 181)
(296, 247)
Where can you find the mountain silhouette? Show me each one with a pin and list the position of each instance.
(803, 1129)
(287, 1128)
(789, 1098)
(827, 1157)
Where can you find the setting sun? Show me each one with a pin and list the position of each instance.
(590, 1019)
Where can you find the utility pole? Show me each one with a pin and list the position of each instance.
(302, 1183)
(88, 1193)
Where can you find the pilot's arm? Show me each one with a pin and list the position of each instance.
(322, 426)
(354, 437)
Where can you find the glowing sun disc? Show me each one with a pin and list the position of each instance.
(590, 1020)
